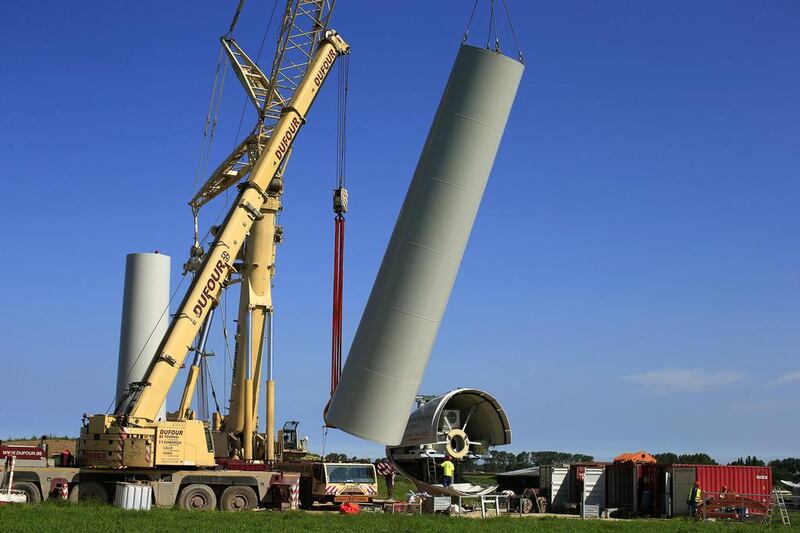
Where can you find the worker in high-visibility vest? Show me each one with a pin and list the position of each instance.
(448, 471)
(695, 497)
(389, 478)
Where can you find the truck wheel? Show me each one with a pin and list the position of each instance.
(306, 503)
(88, 492)
(306, 496)
(197, 497)
(542, 501)
(238, 498)
(526, 504)
(31, 491)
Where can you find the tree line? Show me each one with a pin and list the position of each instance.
(334, 457)
(788, 468)
(500, 461)
(669, 458)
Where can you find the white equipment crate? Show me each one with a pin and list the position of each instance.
(133, 496)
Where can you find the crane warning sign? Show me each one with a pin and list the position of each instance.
(169, 445)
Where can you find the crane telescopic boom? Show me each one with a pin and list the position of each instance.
(302, 26)
(135, 431)
(218, 264)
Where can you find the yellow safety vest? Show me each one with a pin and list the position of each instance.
(449, 468)
(698, 497)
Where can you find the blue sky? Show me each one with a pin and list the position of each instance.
(632, 278)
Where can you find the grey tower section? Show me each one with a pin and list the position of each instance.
(394, 340)
(145, 317)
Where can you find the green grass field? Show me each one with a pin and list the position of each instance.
(65, 518)
(62, 517)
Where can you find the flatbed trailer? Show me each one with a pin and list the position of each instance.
(201, 489)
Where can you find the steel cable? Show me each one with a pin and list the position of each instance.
(469, 22)
(513, 32)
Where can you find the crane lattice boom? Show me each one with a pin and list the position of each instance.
(302, 27)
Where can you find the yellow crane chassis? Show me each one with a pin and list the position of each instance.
(226, 490)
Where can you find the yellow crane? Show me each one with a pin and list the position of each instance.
(303, 25)
(133, 438)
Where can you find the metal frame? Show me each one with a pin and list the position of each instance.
(303, 26)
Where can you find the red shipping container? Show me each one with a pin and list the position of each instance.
(752, 481)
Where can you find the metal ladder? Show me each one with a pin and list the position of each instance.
(779, 502)
(430, 464)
